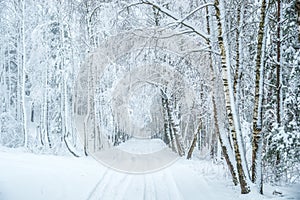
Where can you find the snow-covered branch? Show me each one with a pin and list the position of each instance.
(194, 11)
(176, 18)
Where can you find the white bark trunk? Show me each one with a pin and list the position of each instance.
(23, 87)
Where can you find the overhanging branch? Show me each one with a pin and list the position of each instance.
(181, 21)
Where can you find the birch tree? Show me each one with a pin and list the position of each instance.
(253, 74)
(226, 150)
(230, 106)
(257, 138)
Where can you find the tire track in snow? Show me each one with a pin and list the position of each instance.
(173, 191)
(149, 187)
(120, 186)
(145, 186)
(152, 184)
(93, 194)
(176, 182)
(102, 186)
(181, 181)
(132, 187)
(110, 182)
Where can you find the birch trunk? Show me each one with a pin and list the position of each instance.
(257, 137)
(46, 110)
(24, 110)
(166, 121)
(194, 142)
(238, 71)
(237, 67)
(230, 107)
(224, 147)
(175, 129)
(239, 52)
(217, 130)
(167, 124)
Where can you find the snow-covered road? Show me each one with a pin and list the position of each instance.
(34, 177)
(178, 181)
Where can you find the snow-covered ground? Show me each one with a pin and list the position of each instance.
(142, 146)
(34, 177)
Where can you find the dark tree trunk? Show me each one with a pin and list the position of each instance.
(298, 18)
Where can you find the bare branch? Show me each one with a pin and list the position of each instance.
(195, 10)
(176, 18)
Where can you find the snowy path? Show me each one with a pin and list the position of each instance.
(179, 181)
(26, 176)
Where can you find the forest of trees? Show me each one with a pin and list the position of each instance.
(220, 76)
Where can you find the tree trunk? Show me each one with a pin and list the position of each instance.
(224, 147)
(194, 142)
(175, 128)
(68, 147)
(167, 137)
(23, 98)
(85, 137)
(46, 110)
(230, 107)
(168, 124)
(216, 121)
(278, 77)
(298, 18)
(237, 67)
(278, 66)
(257, 138)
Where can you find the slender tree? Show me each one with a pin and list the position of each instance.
(257, 127)
(225, 148)
(230, 107)
(297, 5)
